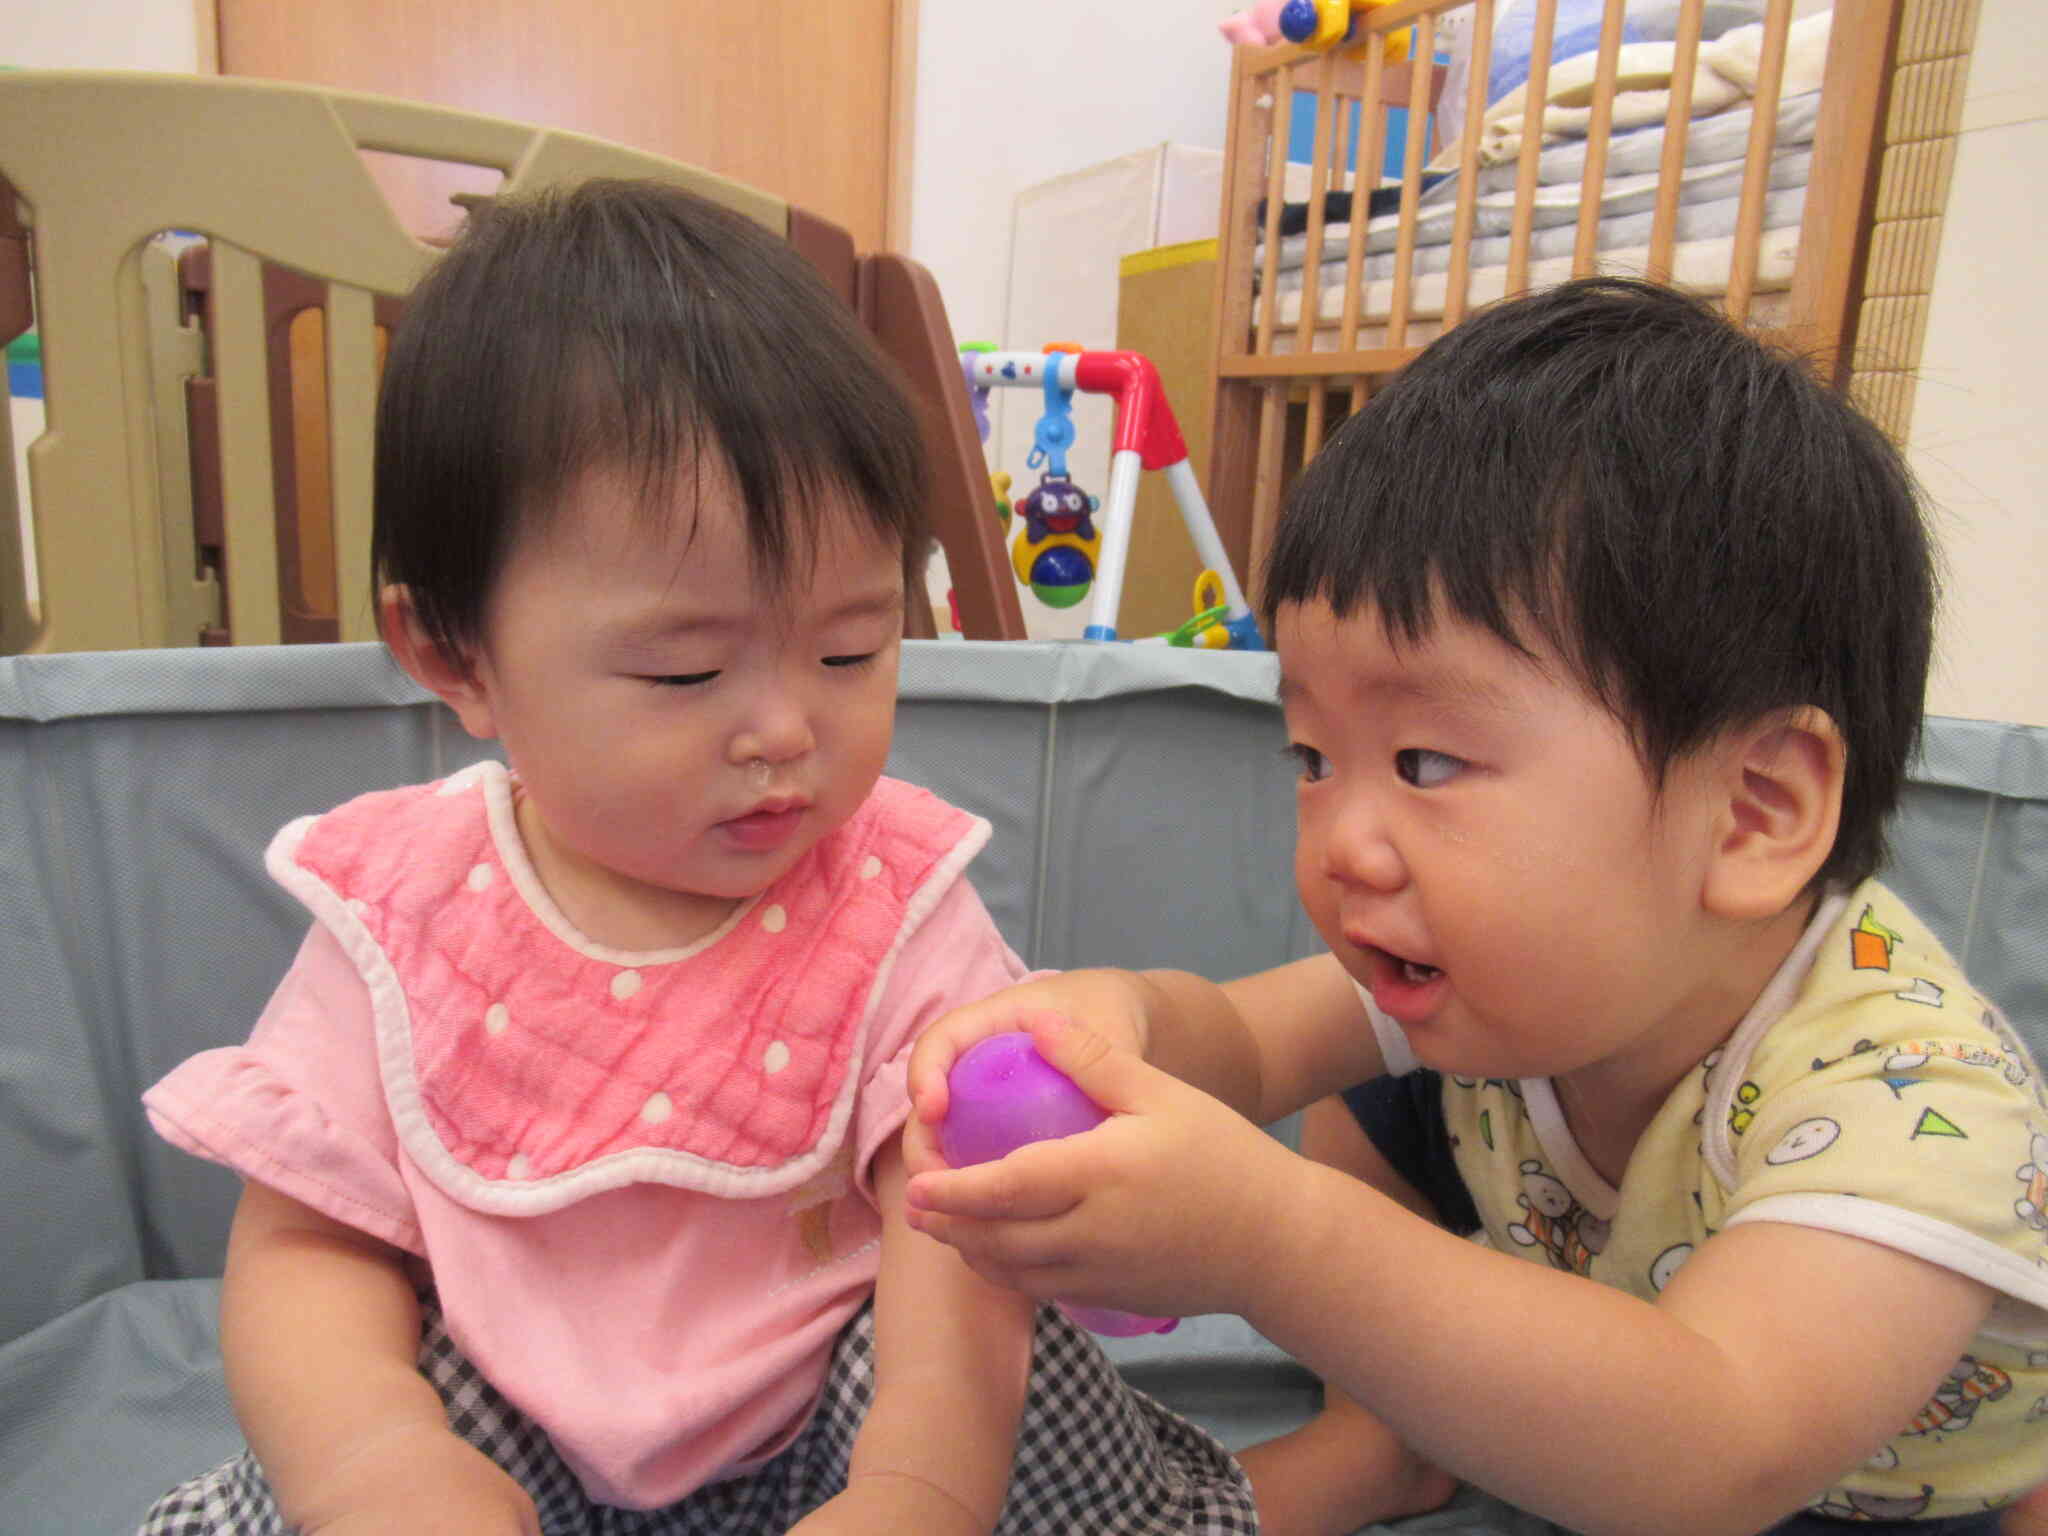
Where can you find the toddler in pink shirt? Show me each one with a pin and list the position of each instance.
(573, 1195)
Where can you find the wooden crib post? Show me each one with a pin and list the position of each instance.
(1585, 251)
(1677, 122)
(1756, 172)
(1533, 96)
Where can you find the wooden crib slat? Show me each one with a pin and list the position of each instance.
(1340, 178)
(351, 427)
(1243, 171)
(1371, 134)
(1318, 186)
(1756, 171)
(1268, 467)
(1421, 67)
(1541, 39)
(1459, 281)
(1322, 159)
(249, 509)
(1315, 411)
(1592, 181)
(1282, 91)
(1677, 124)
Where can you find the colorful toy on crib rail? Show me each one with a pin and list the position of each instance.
(1004, 1095)
(1320, 24)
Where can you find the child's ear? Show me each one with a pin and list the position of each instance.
(1778, 801)
(452, 679)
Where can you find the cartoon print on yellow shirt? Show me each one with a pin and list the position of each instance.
(1911, 1055)
(1870, 942)
(2032, 1206)
(1569, 1234)
(1870, 949)
(1849, 1504)
(1970, 1384)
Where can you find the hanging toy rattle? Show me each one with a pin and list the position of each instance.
(1056, 552)
(1003, 1095)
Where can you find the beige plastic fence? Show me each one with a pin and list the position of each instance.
(102, 162)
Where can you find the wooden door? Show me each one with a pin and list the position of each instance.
(804, 100)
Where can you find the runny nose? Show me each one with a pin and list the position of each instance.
(777, 731)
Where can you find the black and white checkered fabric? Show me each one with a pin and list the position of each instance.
(1093, 1456)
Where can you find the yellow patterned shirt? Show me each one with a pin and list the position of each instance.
(1869, 1091)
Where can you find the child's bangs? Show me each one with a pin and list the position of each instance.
(649, 413)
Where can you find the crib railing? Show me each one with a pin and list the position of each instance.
(1282, 384)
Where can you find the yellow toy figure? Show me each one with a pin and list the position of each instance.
(1327, 23)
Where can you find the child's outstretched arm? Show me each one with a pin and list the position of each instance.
(320, 1332)
(1775, 1359)
(952, 1358)
(1266, 1044)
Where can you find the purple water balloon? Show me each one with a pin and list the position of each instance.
(1002, 1095)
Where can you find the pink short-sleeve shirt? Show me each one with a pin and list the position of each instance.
(639, 1180)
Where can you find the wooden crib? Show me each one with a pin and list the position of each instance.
(1796, 173)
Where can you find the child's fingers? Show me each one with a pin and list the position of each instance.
(1115, 1079)
(921, 1152)
(932, 1058)
(1021, 1187)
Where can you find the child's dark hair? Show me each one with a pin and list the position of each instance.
(1701, 528)
(626, 324)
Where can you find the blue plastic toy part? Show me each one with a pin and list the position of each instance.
(1054, 434)
(1244, 634)
(1061, 576)
(1298, 20)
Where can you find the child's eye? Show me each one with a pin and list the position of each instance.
(1308, 762)
(852, 661)
(1425, 769)
(682, 679)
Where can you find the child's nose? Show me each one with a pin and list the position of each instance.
(777, 730)
(1357, 851)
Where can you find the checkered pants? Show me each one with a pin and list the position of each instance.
(1093, 1455)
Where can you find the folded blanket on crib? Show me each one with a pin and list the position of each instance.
(1782, 210)
(1709, 194)
(1725, 73)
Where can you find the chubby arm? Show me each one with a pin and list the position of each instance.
(320, 1334)
(1774, 1361)
(952, 1358)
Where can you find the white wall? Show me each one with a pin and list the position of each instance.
(100, 34)
(1976, 435)
(1080, 82)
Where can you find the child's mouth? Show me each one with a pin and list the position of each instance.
(1406, 991)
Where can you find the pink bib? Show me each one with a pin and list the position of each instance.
(528, 1067)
